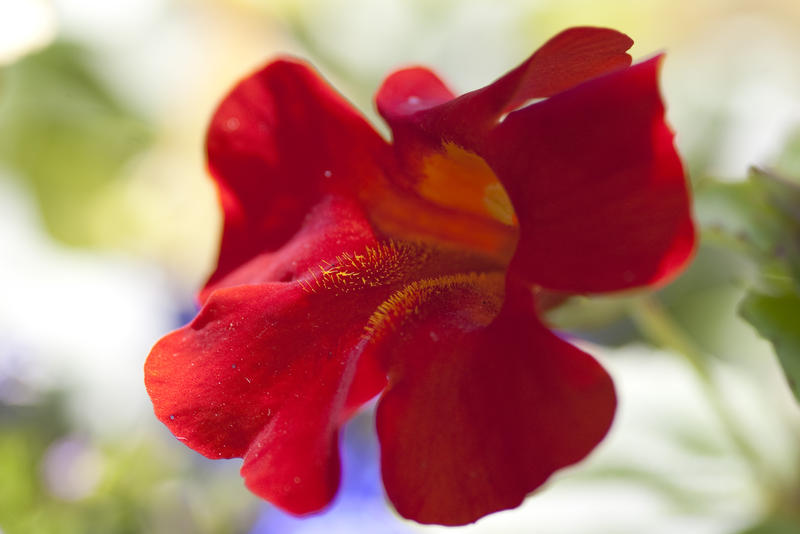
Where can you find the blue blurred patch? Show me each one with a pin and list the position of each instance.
(360, 505)
(187, 310)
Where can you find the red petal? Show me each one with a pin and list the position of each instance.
(333, 226)
(438, 140)
(568, 59)
(279, 141)
(597, 185)
(482, 408)
(410, 90)
(269, 371)
(416, 96)
(264, 372)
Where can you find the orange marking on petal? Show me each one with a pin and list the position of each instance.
(462, 180)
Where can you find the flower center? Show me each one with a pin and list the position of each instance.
(450, 198)
(392, 263)
(484, 288)
(403, 276)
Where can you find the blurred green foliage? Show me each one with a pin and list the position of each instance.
(776, 525)
(67, 135)
(145, 484)
(759, 219)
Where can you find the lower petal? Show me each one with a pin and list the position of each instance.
(264, 373)
(270, 371)
(294, 462)
(482, 407)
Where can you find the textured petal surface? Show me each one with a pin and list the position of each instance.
(597, 185)
(334, 225)
(277, 143)
(481, 407)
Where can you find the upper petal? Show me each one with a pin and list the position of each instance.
(597, 185)
(482, 407)
(440, 175)
(277, 143)
(409, 90)
(416, 103)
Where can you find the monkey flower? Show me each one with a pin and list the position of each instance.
(418, 270)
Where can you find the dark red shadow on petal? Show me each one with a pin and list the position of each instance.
(597, 186)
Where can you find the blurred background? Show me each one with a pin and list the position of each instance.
(108, 224)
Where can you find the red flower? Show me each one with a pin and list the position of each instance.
(346, 260)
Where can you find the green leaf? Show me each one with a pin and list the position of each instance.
(740, 212)
(777, 318)
(758, 219)
(782, 191)
(783, 194)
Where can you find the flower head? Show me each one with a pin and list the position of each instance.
(350, 267)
